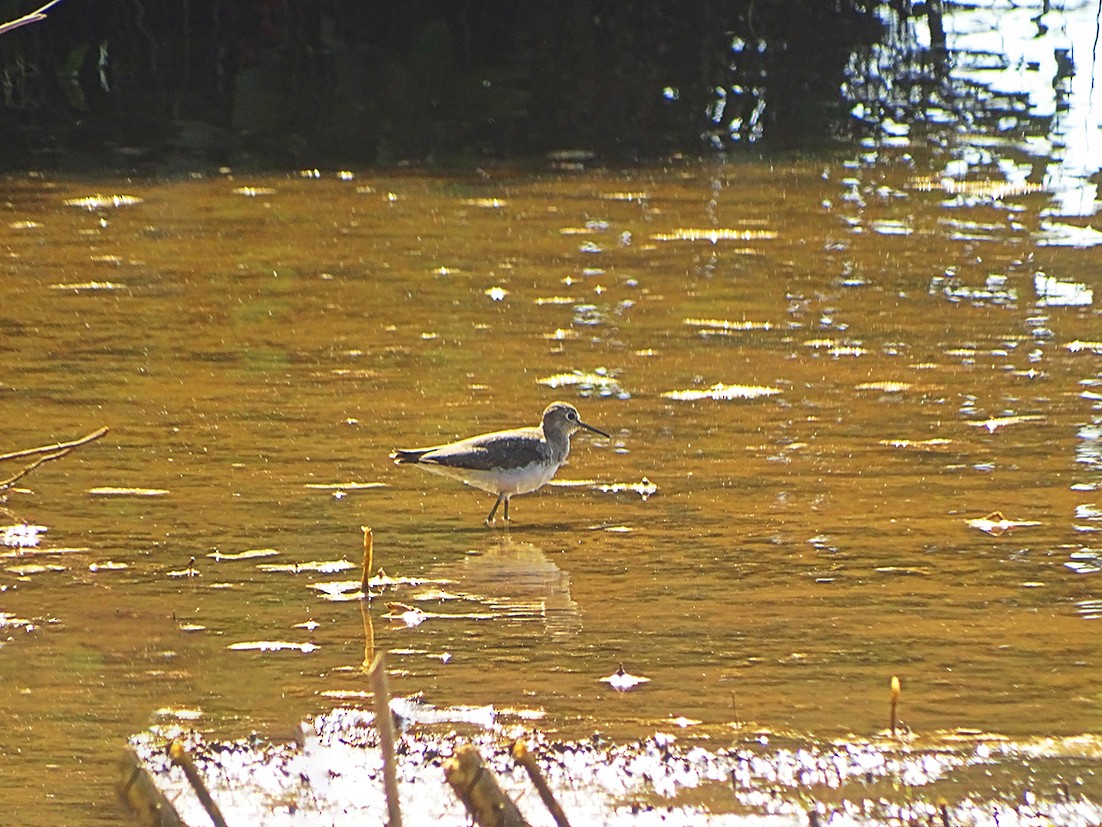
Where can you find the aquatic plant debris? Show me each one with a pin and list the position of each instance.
(995, 523)
(722, 392)
(333, 773)
(994, 423)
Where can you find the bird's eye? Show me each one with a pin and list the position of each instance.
(571, 416)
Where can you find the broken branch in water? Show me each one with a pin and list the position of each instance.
(45, 453)
(33, 17)
(182, 759)
(139, 789)
(475, 785)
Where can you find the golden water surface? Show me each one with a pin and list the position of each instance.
(826, 368)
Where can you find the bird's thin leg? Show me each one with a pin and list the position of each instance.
(493, 511)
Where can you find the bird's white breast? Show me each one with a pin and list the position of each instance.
(501, 481)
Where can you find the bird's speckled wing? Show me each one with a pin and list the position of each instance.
(490, 452)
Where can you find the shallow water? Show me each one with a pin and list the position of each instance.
(256, 354)
(830, 369)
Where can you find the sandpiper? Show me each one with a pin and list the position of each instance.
(505, 462)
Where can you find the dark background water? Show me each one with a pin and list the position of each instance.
(155, 82)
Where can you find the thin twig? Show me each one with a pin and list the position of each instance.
(50, 452)
(49, 449)
(33, 17)
(10, 481)
(365, 578)
(385, 724)
(895, 692)
(524, 757)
